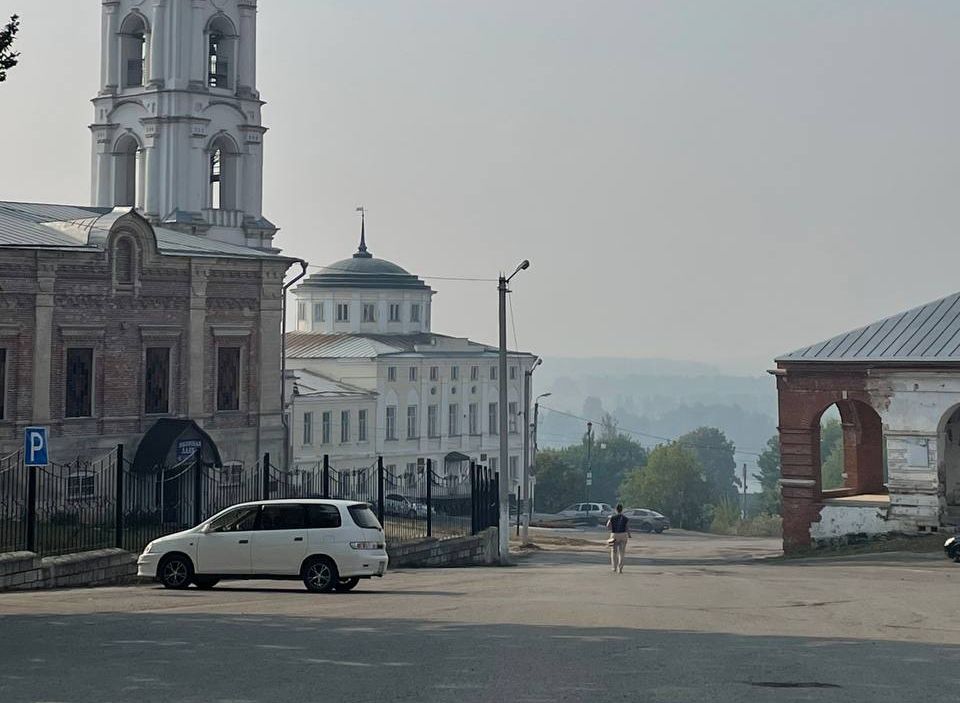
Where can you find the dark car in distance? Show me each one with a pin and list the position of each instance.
(646, 520)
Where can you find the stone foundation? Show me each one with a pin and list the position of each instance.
(480, 550)
(103, 567)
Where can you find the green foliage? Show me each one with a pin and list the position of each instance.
(725, 516)
(716, 456)
(8, 57)
(559, 483)
(831, 454)
(672, 482)
(611, 457)
(769, 477)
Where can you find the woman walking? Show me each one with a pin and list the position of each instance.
(619, 526)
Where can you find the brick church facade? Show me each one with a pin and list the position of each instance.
(164, 299)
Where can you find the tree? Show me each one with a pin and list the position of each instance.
(611, 457)
(8, 57)
(558, 482)
(769, 477)
(831, 454)
(671, 482)
(716, 456)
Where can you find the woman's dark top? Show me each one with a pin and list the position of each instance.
(618, 523)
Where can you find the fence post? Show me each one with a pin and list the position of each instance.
(118, 519)
(380, 478)
(326, 476)
(31, 508)
(265, 477)
(518, 511)
(473, 498)
(197, 487)
(429, 497)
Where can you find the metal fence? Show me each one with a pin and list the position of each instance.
(84, 505)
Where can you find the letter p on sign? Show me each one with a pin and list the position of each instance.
(35, 446)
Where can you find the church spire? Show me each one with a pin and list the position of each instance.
(362, 252)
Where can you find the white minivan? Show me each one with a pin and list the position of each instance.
(330, 544)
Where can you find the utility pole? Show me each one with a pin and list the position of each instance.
(589, 452)
(525, 480)
(744, 507)
(504, 522)
(536, 424)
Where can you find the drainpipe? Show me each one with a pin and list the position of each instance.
(283, 366)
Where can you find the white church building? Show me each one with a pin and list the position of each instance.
(368, 377)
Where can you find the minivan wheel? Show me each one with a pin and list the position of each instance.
(205, 582)
(659, 530)
(175, 572)
(320, 575)
(344, 585)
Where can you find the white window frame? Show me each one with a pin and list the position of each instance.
(391, 373)
(454, 373)
(395, 312)
(453, 420)
(301, 312)
(343, 312)
(512, 415)
(413, 428)
(326, 420)
(370, 308)
(415, 312)
(362, 425)
(308, 428)
(412, 374)
(318, 307)
(344, 426)
(391, 422)
(434, 373)
(474, 418)
(433, 421)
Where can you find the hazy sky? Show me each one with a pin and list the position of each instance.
(714, 180)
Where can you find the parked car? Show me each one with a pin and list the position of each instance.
(396, 504)
(646, 520)
(329, 544)
(587, 513)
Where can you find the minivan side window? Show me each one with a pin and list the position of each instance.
(282, 517)
(322, 516)
(239, 520)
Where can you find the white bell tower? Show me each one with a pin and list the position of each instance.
(177, 130)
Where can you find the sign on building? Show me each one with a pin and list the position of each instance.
(187, 448)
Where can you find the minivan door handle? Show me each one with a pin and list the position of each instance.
(244, 541)
(298, 539)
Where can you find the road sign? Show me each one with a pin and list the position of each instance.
(35, 446)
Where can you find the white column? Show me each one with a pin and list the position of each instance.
(110, 49)
(43, 339)
(157, 41)
(247, 53)
(198, 46)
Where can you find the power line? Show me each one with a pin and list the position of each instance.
(652, 436)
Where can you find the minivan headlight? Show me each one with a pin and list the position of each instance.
(148, 548)
(367, 545)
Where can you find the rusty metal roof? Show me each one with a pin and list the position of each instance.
(926, 334)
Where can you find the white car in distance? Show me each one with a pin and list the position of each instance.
(329, 544)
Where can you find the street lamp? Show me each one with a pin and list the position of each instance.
(525, 480)
(504, 523)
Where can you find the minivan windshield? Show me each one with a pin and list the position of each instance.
(363, 516)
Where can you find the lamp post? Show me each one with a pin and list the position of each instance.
(525, 480)
(504, 522)
(589, 452)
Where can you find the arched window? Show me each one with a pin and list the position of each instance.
(124, 258)
(223, 174)
(133, 50)
(221, 52)
(128, 172)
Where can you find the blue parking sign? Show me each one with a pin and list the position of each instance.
(35, 446)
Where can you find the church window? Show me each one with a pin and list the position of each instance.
(369, 312)
(301, 311)
(343, 312)
(434, 373)
(133, 50)
(433, 424)
(394, 312)
(413, 426)
(216, 179)
(413, 374)
(128, 172)
(308, 428)
(325, 427)
(223, 173)
(228, 378)
(415, 312)
(391, 422)
(221, 50)
(318, 312)
(157, 381)
(453, 411)
(474, 416)
(79, 382)
(391, 373)
(123, 261)
(362, 425)
(344, 426)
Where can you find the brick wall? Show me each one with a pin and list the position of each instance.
(25, 570)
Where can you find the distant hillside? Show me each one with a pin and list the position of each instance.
(660, 397)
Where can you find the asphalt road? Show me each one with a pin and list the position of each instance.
(692, 619)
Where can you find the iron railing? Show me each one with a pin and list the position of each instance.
(84, 505)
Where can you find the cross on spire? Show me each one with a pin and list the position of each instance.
(362, 252)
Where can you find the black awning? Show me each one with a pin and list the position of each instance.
(170, 442)
(455, 457)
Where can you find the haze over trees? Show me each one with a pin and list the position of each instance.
(8, 57)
